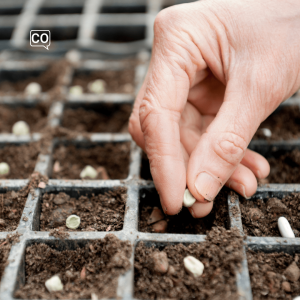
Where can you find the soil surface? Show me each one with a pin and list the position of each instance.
(11, 208)
(284, 124)
(285, 168)
(183, 222)
(35, 117)
(268, 277)
(107, 119)
(260, 216)
(218, 280)
(16, 84)
(20, 158)
(91, 269)
(116, 81)
(114, 157)
(102, 212)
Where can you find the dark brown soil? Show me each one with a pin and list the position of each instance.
(21, 159)
(260, 216)
(267, 275)
(116, 81)
(11, 209)
(145, 169)
(113, 156)
(284, 124)
(101, 212)
(46, 79)
(105, 120)
(91, 269)
(285, 168)
(218, 280)
(35, 117)
(183, 222)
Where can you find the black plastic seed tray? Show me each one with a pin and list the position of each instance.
(89, 24)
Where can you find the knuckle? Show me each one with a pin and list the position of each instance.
(165, 18)
(230, 147)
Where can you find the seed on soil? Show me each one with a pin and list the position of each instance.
(160, 227)
(97, 86)
(2, 223)
(285, 228)
(266, 132)
(33, 89)
(292, 272)
(73, 56)
(4, 168)
(161, 263)
(54, 284)
(20, 128)
(88, 172)
(193, 266)
(188, 198)
(76, 90)
(73, 222)
(156, 215)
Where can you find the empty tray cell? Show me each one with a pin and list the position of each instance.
(119, 7)
(34, 116)
(15, 81)
(111, 160)
(99, 209)
(97, 118)
(61, 7)
(152, 218)
(120, 81)
(284, 124)
(284, 160)
(274, 271)
(260, 215)
(160, 273)
(11, 208)
(145, 168)
(6, 33)
(120, 34)
(21, 159)
(84, 268)
(7, 9)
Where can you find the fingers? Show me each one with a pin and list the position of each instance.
(221, 149)
(200, 210)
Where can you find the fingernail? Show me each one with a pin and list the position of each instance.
(238, 187)
(207, 186)
(192, 212)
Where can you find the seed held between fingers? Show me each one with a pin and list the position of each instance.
(188, 198)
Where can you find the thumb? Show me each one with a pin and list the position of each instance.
(222, 147)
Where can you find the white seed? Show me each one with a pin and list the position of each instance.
(188, 198)
(285, 228)
(297, 298)
(4, 168)
(73, 222)
(73, 56)
(97, 86)
(193, 266)
(266, 132)
(33, 89)
(54, 284)
(88, 172)
(20, 128)
(76, 90)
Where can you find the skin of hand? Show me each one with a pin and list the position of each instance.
(218, 69)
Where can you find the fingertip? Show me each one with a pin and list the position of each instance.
(200, 210)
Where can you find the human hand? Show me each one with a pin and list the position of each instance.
(218, 69)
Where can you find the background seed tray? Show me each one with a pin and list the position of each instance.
(89, 24)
